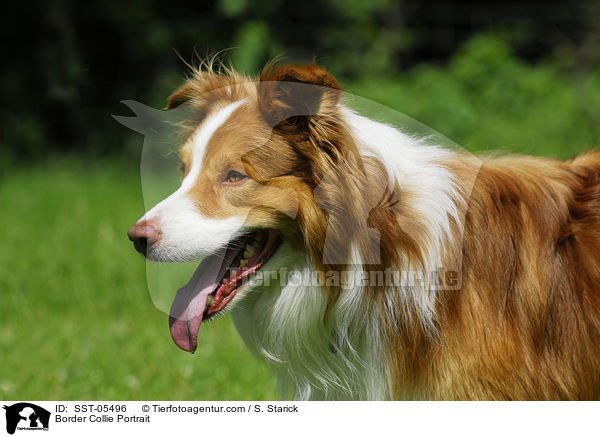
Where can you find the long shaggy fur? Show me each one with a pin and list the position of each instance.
(519, 237)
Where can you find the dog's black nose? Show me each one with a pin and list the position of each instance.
(145, 235)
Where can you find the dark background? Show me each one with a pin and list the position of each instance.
(67, 64)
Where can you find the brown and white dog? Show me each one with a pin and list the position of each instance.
(282, 179)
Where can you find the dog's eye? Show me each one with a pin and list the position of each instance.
(234, 176)
(182, 168)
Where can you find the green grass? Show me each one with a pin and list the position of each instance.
(77, 321)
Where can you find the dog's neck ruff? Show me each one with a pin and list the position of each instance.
(346, 357)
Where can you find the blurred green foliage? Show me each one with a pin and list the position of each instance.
(487, 98)
(63, 77)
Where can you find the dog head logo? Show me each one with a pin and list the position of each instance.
(26, 416)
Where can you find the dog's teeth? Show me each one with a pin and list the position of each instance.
(233, 271)
(210, 300)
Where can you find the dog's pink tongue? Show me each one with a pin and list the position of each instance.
(189, 303)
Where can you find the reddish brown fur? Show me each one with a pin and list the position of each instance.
(526, 322)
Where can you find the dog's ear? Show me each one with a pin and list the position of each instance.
(181, 95)
(290, 97)
(202, 84)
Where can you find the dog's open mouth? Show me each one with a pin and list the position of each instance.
(216, 282)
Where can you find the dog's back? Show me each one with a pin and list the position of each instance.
(526, 322)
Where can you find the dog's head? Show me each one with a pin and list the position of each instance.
(269, 163)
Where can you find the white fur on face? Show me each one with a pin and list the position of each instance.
(187, 235)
